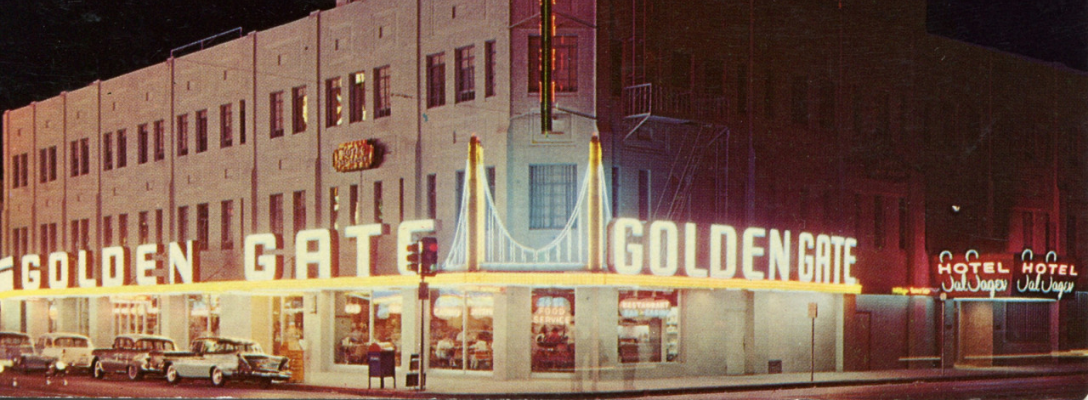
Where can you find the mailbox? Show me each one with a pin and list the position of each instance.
(382, 363)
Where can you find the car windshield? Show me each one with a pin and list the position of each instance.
(231, 347)
(155, 344)
(70, 342)
(12, 340)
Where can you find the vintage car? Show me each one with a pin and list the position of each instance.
(57, 353)
(133, 355)
(219, 359)
(13, 345)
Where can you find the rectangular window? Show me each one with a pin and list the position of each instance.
(73, 151)
(122, 148)
(142, 140)
(183, 224)
(382, 106)
(644, 194)
(553, 330)
(466, 73)
(878, 222)
(353, 204)
(462, 323)
(564, 64)
(84, 227)
(16, 170)
(436, 80)
(160, 140)
(378, 201)
(226, 119)
(107, 151)
(275, 213)
(552, 193)
(432, 196)
(334, 207)
(333, 108)
(202, 226)
(242, 121)
(903, 224)
(52, 163)
(742, 89)
(26, 169)
(183, 134)
(201, 131)
(299, 214)
(43, 170)
(75, 235)
(489, 68)
(158, 226)
(649, 328)
(400, 200)
(715, 72)
(275, 113)
(122, 229)
(107, 231)
(354, 326)
(85, 156)
(144, 228)
(226, 231)
(298, 109)
(1028, 225)
(357, 97)
(799, 100)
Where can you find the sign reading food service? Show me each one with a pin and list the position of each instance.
(356, 155)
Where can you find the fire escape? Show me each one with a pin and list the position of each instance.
(696, 122)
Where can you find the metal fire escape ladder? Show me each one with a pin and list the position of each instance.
(693, 150)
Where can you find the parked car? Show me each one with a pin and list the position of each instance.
(57, 353)
(219, 359)
(134, 355)
(13, 345)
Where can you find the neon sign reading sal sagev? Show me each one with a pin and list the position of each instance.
(755, 252)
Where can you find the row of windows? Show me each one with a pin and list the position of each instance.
(464, 77)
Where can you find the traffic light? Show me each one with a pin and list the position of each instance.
(428, 255)
(414, 256)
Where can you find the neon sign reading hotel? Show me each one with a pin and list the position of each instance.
(754, 254)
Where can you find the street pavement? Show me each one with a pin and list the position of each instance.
(449, 385)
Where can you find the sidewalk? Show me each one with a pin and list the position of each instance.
(459, 387)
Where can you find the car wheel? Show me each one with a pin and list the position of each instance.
(20, 364)
(134, 374)
(218, 379)
(172, 375)
(97, 370)
(266, 383)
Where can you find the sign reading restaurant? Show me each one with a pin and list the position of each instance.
(753, 253)
(1005, 275)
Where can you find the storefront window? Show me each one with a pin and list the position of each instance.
(462, 328)
(553, 330)
(135, 314)
(352, 327)
(287, 328)
(649, 326)
(203, 315)
(387, 313)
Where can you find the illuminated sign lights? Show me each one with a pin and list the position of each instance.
(357, 155)
(823, 263)
(997, 275)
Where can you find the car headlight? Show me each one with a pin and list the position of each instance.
(61, 365)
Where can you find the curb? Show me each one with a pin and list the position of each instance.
(608, 394)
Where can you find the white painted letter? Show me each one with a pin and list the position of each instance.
(271, 265)
(621, 247)
(83, 279)
(32, 274)
(146, 263)
(823, 259)
(668, 229)
(114, 265)
(751, 251)
(7, 274)
(805, 264)
(184, 265)
(326, 257)
(848, 260)
(690, 268)
(780, 256)
(717, 234)
(58, 270)
(362, 235)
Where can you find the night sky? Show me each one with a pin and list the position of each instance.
(49, 46)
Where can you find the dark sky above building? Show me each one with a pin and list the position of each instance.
(49, 46)
(1048, 30)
